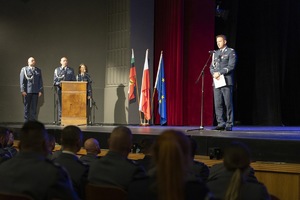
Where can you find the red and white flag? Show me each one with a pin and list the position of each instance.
(145, 103)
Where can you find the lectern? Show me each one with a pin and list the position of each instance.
(74, 101)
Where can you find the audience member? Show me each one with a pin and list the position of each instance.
(170, 179)
(30, 173)
(10, 144)
(4, 138)
(114, 168)
(234, 179)
(146, 149)
(92, 148)
(56, 153)
(71, 140)
(199, 168)
(51, 145)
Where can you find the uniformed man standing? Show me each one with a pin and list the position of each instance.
(31, 84)
(62, 73)
(222, 66)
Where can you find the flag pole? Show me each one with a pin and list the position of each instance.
(138, 98)
(145, 87)
(155, 85)
(152, 105)
(137, 94)
(135, 83)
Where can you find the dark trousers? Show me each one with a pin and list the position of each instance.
(30, 106)
(223, 100)
(89, 111)
(59, 103)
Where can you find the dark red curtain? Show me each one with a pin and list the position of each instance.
(184, 31)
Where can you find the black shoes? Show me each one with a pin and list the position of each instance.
(228, 128)
(219, 128)
(222, 128)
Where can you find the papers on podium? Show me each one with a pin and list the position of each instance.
(219, 82)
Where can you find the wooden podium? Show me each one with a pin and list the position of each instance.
(74, 100)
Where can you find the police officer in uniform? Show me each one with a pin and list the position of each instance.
(114, 168)
(31, 84)
(224, 61)
(31, 173)
(62, 73)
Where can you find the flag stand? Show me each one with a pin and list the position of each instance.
(202, 96)
(145, 123)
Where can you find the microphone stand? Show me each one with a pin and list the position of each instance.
(94, 106)
(202, 95)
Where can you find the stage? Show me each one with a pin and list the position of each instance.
(267, 143)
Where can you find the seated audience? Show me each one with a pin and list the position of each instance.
(51, 145)
(170, 179)
(71, 140)
(30, 173)
(92, 148)
(200, 169)
(114, 168)
(146, 148)
(234, 178)
(55, 153)
(10, 144)
(5, 152)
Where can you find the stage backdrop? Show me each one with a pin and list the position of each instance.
(184, 31)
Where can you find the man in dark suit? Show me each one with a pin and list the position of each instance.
(62, 73)
(92, 148)
(30, 173)
(31, 83)
(114, 168)
(71, 140)
(223, 64)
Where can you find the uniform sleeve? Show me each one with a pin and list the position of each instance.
(23, 83)
(41, 87)
(73, 75)
(211, 67)
(231, 63)
(56, 81)
(89, 86)
(62, 188)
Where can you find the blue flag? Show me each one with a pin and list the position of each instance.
(160, 85)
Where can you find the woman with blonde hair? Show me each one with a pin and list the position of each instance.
(170, 179)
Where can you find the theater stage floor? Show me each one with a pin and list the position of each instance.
(267, 143)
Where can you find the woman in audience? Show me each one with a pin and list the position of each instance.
(5, 154)
(170, 178)
(234, 178)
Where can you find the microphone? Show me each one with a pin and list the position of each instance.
(211, 52)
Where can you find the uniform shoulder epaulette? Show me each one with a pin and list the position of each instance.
(82, 163)
(53, 163)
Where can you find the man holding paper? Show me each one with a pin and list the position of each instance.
(222, 68)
